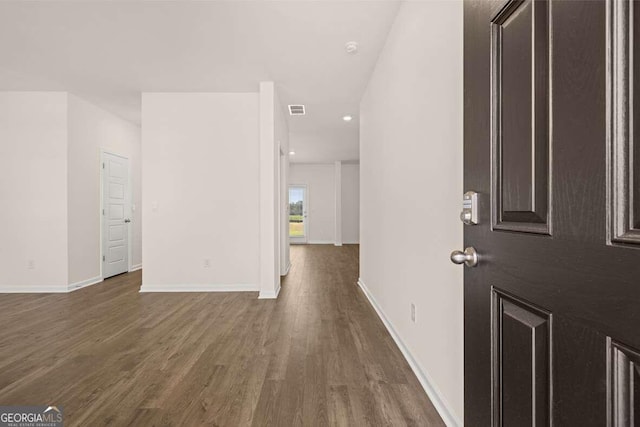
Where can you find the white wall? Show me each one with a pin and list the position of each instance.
(200, 177)
(33, 191)
(50, 144)
(411, 189)
(321, 200)
(326, 146)
(90, 130)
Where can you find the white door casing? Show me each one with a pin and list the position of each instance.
(116, 213)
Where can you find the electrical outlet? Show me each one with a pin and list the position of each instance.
(207, 263)
(413, 313)
(31, 264)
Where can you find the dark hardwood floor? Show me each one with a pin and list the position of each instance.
(109, 355)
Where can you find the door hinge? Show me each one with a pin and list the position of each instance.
(102, 211)
(103, 166)
(103, 258)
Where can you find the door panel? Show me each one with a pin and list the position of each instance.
(624, 384)
(522, 363)
(519, 75)
(625, 155)
(116, 233)
(551, 310)
(116, 208)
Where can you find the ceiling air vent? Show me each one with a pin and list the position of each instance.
(296, 110)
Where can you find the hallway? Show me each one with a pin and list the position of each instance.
(318, 355)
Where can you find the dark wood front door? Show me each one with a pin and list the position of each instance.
(552, 310)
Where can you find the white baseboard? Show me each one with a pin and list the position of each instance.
(270, 295)
(324, 242)
(215, 287)
(54, 289)
(84, 283)
(448, 416)
(287, 270)
(135, 268)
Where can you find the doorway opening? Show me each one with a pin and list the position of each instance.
(298, 225)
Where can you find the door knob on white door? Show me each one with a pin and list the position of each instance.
(469, 257)
(127, 220)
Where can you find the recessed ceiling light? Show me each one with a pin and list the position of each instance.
(351, 47)
(292, 153)
(347, 118)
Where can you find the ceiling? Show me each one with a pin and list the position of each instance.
(109, 52)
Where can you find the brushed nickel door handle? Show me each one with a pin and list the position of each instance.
(469, 257)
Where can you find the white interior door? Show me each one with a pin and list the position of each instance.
(115, 215)
(298, 219)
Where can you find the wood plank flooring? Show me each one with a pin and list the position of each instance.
(109, 355)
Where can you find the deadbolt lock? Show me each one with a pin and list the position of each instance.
(469, 214)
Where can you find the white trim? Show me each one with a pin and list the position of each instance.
(324, 242)
(269, 209)
(288, 269)
(84, 283)
(270, 295)
(54, 289)
(439, 402)
(282, 212)
(135, 268)
(285, 258)
(207, 287)
(337, 195)
(344, 162)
